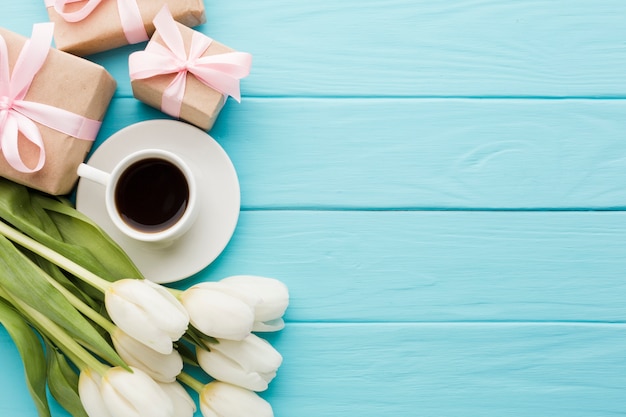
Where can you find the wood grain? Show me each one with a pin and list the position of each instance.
(418, 154)
(399, 266)
(423, 48)
(451, 370)
(441, 185)
(421, 369)
(478, 48)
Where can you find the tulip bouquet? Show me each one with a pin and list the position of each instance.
(106, 342)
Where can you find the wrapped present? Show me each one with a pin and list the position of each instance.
(84, 27)
(51, 107)
(186, 74)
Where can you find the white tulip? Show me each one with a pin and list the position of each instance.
(273, 299)
(120, 393)
(184, 406)
(161, 367)
(219, 399)
(216, 310)
(148, 312)
(90, 397)
(134, 394)
(250, 363)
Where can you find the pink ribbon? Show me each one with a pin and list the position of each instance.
(221, 72)
(18, 115)
(132, 23)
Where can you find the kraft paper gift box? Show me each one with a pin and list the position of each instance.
(69, 87)
(84, 27)
(203, 91)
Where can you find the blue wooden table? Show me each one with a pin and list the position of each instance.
(442, 186)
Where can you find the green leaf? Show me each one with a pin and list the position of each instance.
(16, 206)
(65, 230)
(80, 231)
(63, 382)
(58, 274)
(185, 350)
(196, 337)
(31, 351)
(24, 280)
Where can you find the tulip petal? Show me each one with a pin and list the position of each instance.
(273, 294)
(240, 292)
(184, 406)
(132, 320)
(217, 314)
(161, 367)
(252, 353)
(170, 313)
(268, 326)
(157, 303)
(134, 394)
(222, 368)
(251, 363)
(225, 400)
(208, 412)
(147, 312)
(90, 396)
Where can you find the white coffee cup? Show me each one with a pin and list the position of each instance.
(150, 195)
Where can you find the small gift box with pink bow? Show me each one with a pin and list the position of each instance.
(84, 27)
(186, 74)
(51, 107)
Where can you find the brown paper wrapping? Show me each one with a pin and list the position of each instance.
(67, 82)
(102, 29)
(201, 103)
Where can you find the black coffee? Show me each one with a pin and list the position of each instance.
(151, 195)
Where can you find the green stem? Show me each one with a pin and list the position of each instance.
(191, 382)
(54, 257)
(78, 354)
(82, 306)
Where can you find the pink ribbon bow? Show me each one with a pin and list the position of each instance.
(221, 72)
(132, 23)
(18, 115)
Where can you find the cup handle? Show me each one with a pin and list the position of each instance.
(93, 174)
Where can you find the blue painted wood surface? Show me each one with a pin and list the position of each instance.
(441, 185)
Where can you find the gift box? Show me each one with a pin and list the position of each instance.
(186, 74)
(51, 109)
(84, 27)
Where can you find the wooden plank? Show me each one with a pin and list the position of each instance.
(435, 370)
(450, 370)
(403, 266)
(408, 48)
(424, 154)
(424, 48)
(19, 17)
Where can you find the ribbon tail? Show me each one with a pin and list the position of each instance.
(235, 64)
(224, 83)
(14, 124)
(223, 71)
(31, 59)
(166, 26)
(172, 99)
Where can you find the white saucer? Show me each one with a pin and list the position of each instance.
(219, 197)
